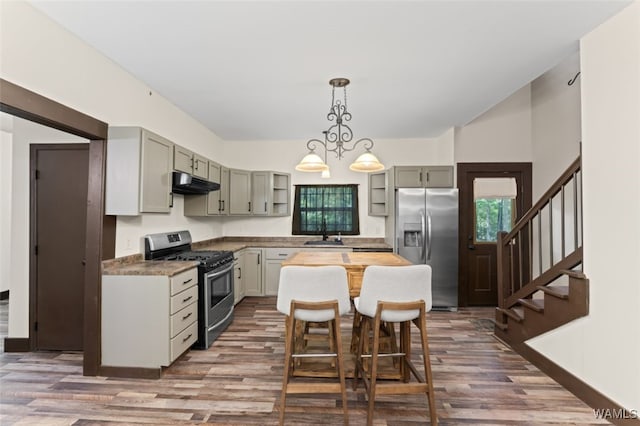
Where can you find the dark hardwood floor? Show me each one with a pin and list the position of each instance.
(237, 382)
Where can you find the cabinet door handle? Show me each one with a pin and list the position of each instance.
(187, 299)
(223, 207)
(249, 205)
(219, 205)
(187, 338)
(265, 206)
(171, 201)
(187, 281)
(258, 258)
(420, 177)
(239, 273)
(427, 177)
(187, 316)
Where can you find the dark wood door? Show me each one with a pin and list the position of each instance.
(59, 180)
(478, 284)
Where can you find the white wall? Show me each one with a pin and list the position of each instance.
(502, 134)
(603, 348)
(54, 63)
(24, 134)
(555, 143)
(284, 155)
(555, 123)
(6, 148)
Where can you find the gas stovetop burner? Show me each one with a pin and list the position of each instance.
(209, 258)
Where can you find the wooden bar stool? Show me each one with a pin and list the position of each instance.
(316, 294)
(394, 294)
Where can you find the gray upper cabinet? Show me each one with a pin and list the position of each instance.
(223, 193)
(188, 161)
(242, 193)
(270, 193)
(423, 176)
(260, 193)
(239, 192)
(139, 165)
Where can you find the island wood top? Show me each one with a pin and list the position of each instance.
(355, 259)
(355, 263)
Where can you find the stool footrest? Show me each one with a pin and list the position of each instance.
(298, 388)
(401, 388)
(385, 355)
(312, 355)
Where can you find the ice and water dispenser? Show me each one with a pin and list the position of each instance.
(412, 234)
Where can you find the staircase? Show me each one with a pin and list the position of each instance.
(540, 285)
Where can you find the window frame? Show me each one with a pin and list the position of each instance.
(297, 211)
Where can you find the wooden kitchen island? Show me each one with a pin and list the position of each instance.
(355, 263)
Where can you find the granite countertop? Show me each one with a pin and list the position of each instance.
(238, 243)
(136, 265)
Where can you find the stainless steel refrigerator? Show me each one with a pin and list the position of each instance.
(426, 231)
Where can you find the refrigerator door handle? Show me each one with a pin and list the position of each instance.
(423, 234)
(428, 235)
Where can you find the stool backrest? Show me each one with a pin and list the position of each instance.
(313, 284)
(395, 284)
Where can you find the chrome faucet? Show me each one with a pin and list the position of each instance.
(325, 237)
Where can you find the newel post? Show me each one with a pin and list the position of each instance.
(504, 277)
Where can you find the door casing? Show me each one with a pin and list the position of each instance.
(100, 237)
(466, 172)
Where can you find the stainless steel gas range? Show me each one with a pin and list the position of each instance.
(215, 280)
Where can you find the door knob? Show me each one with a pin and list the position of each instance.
(471, 247)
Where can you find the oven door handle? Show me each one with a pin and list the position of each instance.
(218, 273)
(216, 325)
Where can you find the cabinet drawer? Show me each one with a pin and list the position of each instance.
(184, 280)
(280, 253)
(183, 299)
(183, 341)
(183, 318)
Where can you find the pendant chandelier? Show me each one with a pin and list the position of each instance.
(337, 138)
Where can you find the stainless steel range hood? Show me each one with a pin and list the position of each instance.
(184, 183)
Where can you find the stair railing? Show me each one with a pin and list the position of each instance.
(545, 241)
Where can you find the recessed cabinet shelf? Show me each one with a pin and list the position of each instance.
(379, 193)
(281, 194)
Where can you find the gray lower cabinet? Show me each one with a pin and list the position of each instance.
(272, 266)
(148, 320)
(238, 282)
(252, 272)
(138, 178)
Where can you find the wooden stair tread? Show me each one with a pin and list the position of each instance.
(561, 292)
(533, 304)
(515, 313)
(574, 274)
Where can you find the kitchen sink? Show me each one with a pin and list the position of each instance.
(323, 243)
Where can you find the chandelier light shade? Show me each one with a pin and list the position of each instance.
(338, 137)
(366, 162)
(312, 163)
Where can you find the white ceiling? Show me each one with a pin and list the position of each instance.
(252, 70)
